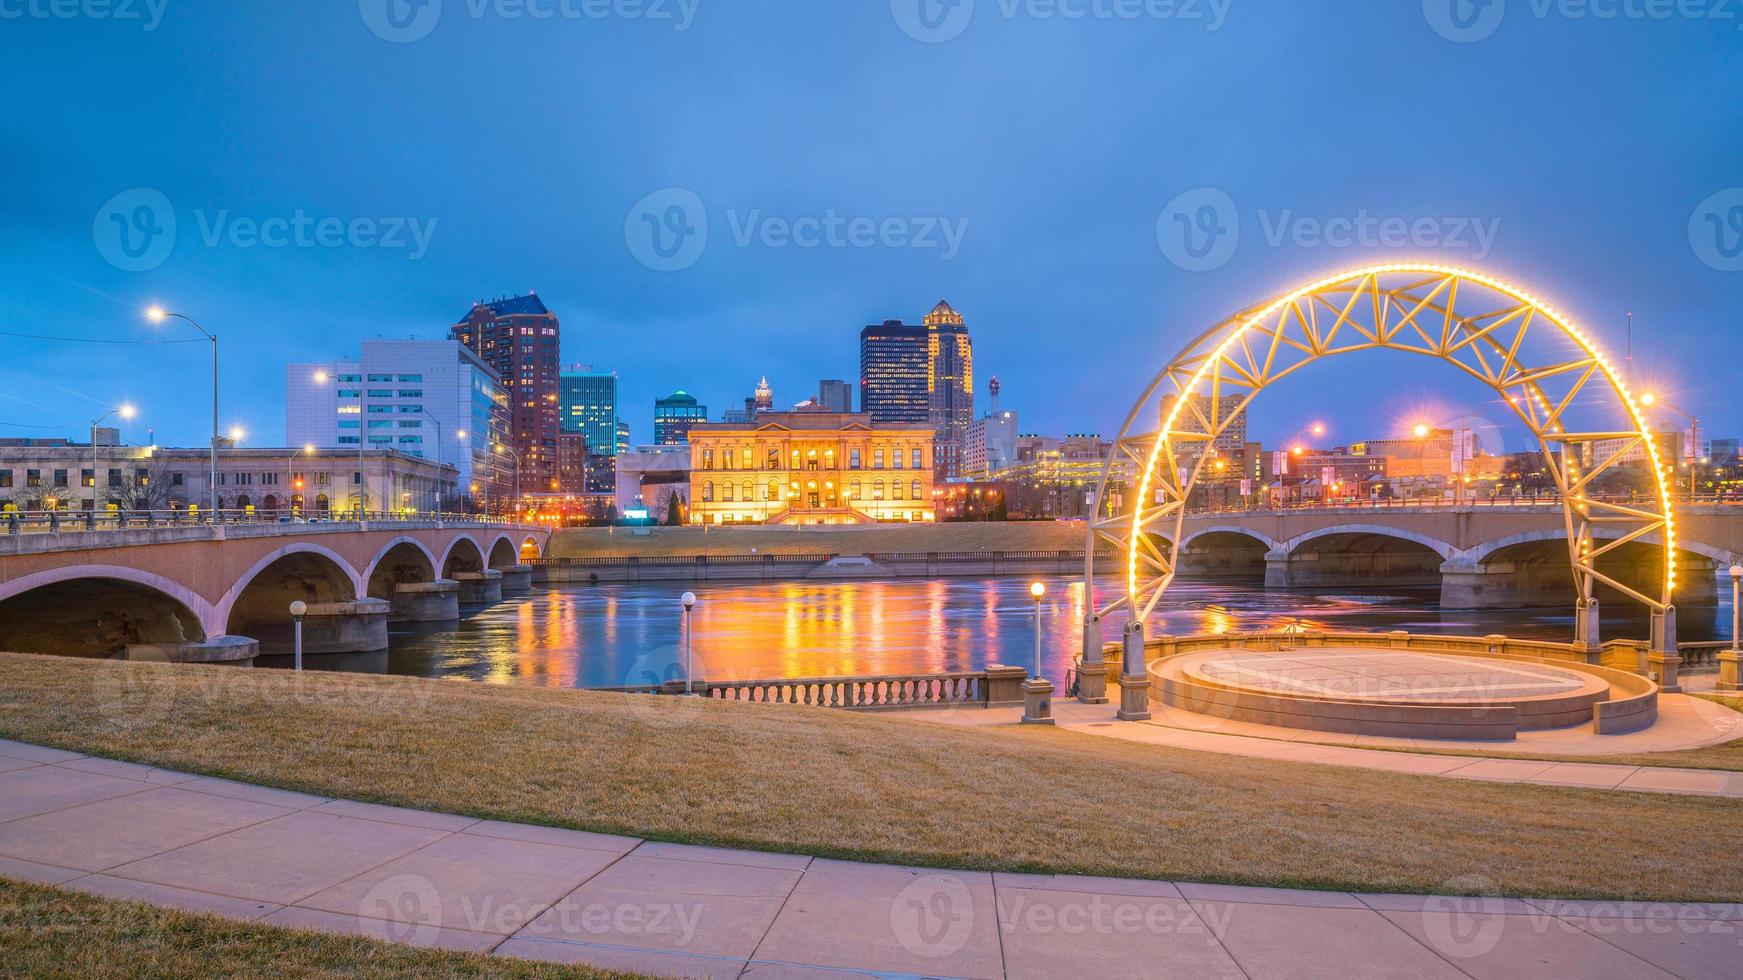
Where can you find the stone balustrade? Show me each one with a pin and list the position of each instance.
(996, 686)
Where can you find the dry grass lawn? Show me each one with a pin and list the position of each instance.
(49, 932)
(838, 784)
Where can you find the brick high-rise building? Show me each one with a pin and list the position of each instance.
(519, 337)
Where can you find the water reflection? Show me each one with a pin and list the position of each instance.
(630, 634)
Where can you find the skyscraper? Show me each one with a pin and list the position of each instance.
(949, 386)
(892, 373)
(518, 336)
(835, 396)
(674, 415)
(589, 408)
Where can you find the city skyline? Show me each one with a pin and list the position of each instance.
(1042, 264)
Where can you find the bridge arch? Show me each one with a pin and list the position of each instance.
(503, 553)
(531, 550)
(261, 597)
(98, 610)
(462, 555)
(1224, 551)
(402, 560)
(1558, 384)
(1270, 543)
(1376, 531)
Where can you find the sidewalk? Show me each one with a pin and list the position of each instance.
(1185, 730)
(127, 831)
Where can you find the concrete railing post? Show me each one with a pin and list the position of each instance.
(1662, 659)
(1092, 669)
(1134, 677)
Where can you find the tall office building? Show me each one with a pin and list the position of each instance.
(589, 409)
(519, 337)
(430, 398)
(892, 373)
(835, 396)
(674, 415)
(949, 386)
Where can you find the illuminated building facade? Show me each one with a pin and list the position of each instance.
(519, 338)
(893, 368)
(810, 468)
(949, 386)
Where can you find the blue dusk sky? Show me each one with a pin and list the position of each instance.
(709, 191)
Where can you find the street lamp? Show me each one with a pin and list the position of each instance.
(297, 611)
(1037, 691)
(516, 457)
(158, 314)
(1736, 581)
(126, 412)
(688, 600)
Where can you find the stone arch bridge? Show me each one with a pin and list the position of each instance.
(1505, 556)
(217, 593)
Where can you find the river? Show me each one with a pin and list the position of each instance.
(612, 635)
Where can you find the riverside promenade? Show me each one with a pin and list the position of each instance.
(133, 832)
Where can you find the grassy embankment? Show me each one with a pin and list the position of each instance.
(868, 787)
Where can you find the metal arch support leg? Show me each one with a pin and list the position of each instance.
(1092, 669)
(1663, 659)
(1134, 677)
(1587, 637)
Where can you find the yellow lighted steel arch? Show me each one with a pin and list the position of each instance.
(1405, 300)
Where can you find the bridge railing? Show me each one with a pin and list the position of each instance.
(70, 521)
(1505, 500)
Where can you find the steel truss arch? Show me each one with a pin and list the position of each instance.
(1480, 325)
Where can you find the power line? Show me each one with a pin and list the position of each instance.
(93, 340)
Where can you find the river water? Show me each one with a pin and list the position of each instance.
(612, 635)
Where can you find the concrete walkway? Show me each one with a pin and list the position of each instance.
(127, 831)
(1294, 745)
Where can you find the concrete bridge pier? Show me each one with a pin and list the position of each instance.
(1465, 584)
(517, 579)
(480, 588)
(357, 626)
(236, 650)
(426, 602)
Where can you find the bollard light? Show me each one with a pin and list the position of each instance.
(1037, 692)
(298, 609)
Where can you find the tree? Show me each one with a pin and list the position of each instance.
(137, 491)
(674, 510)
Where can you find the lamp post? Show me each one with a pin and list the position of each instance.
(126, 412)
(158, 314)
(688, 600)
(1729, 679)
(1037, 691)
(297, 611)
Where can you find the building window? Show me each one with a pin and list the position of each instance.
(877, 459)
(114, 477)
(708, 492)
(919, 460)
(747, 492)
(87, 478)
(853, 491)
(707, 459)
(176, 479)
(878, 490)
(32, 478)
(726, 491)
(853, 459)
(774, 460)
(896, 490)
(5, 478)
(916, 489)
(729, 459)
(416, 379)
(60, 478)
